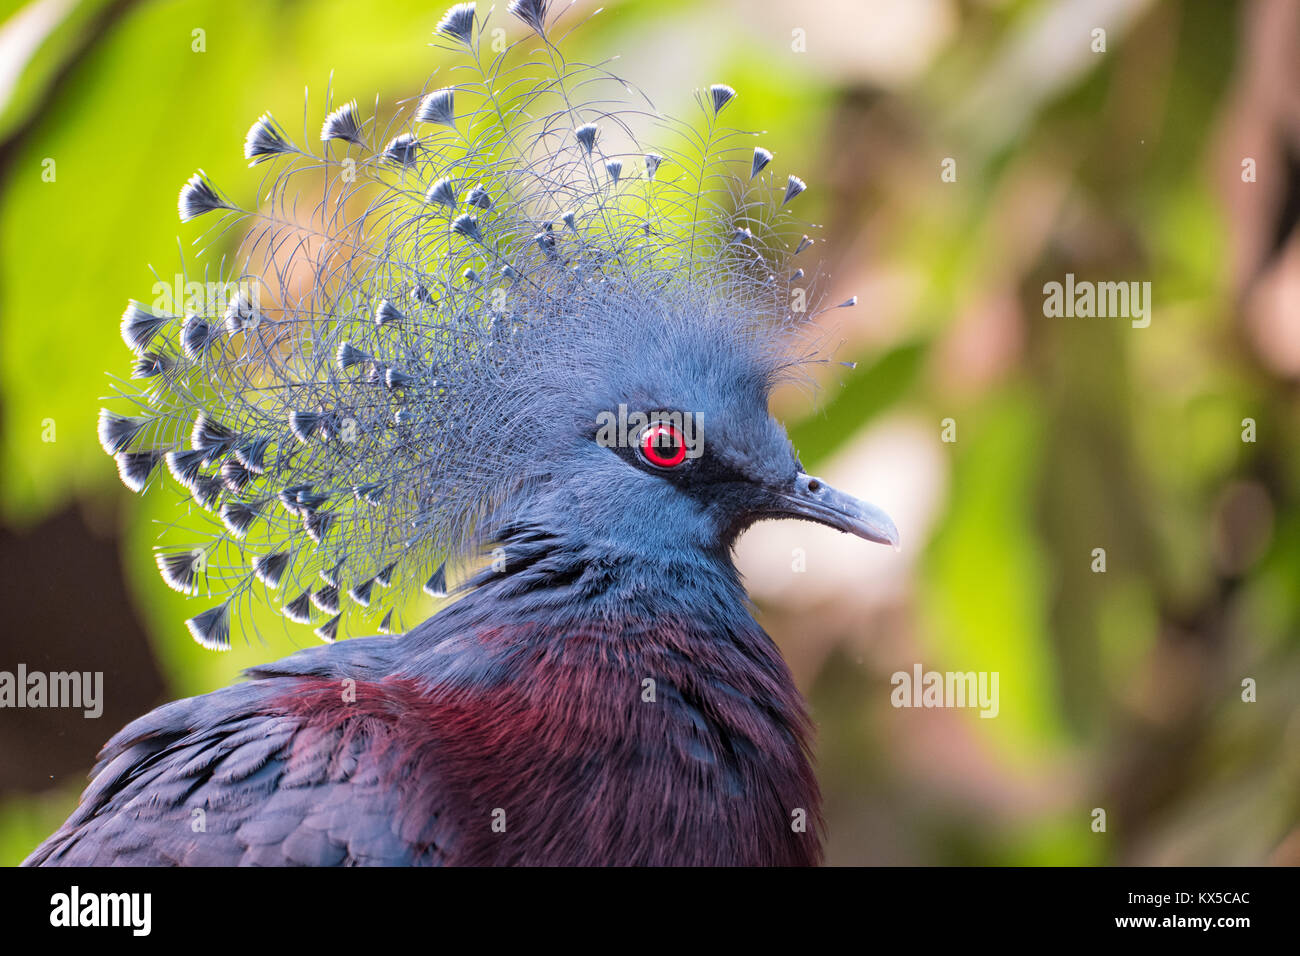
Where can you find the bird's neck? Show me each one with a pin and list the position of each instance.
(540, 583)
(577, 579)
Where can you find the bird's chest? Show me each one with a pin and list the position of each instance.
(600, 755)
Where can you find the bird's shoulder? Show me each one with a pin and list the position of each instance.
(249, 775)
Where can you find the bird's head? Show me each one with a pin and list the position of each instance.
(651, 427)
(505, 316)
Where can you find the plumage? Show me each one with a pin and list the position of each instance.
(265, 140)
(199, 196)
(269, 568)
(252, 454)
(197, 336)
(118, 432)
(343, 124)
(441, 193)
(438, 107)
(445, 405)
(458, 22)
(134, 468)
(401, 150)
(139, 326)
(238, 517)
(334, 575)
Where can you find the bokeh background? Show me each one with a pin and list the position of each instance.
(1119, 690)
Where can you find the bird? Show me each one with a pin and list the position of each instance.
(500, 338)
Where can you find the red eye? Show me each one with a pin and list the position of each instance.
(663, 445)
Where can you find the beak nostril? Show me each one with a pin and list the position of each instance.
(812, 499)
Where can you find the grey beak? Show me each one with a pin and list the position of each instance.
(814, 500)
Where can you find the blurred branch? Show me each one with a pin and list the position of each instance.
(100, 22)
